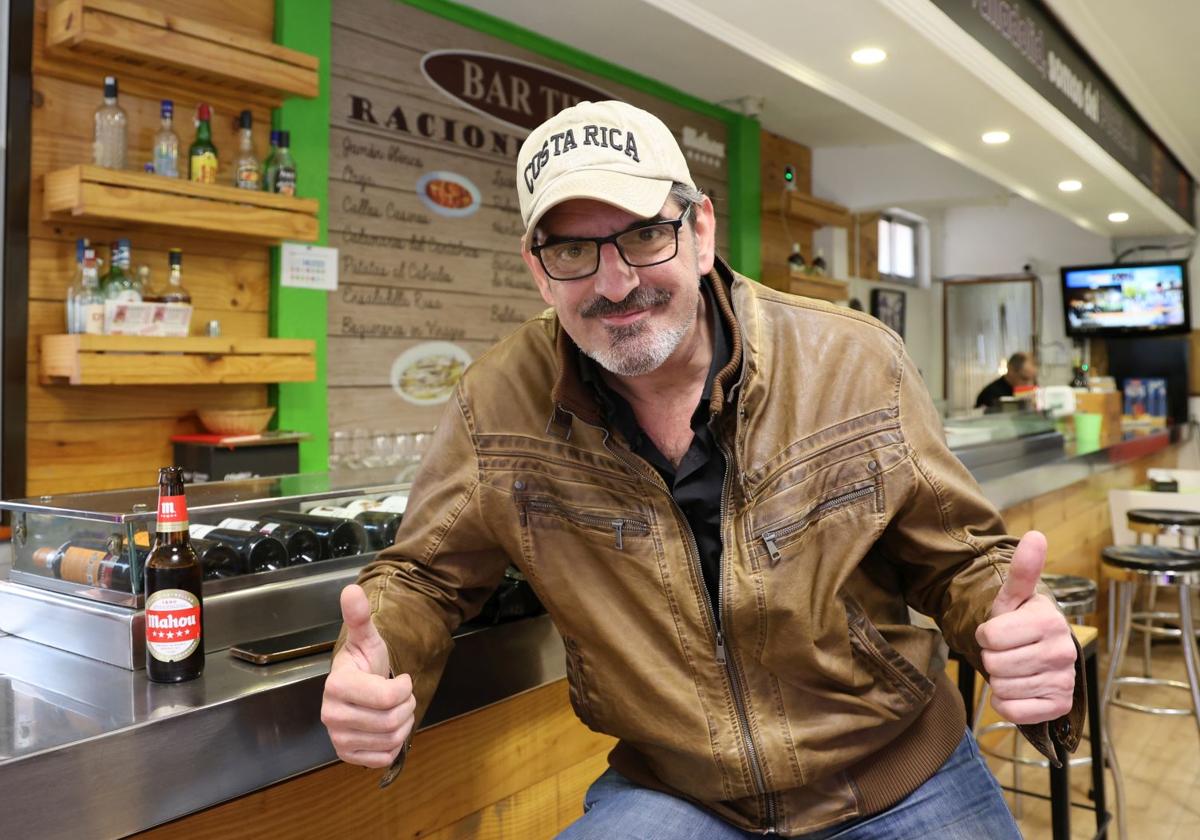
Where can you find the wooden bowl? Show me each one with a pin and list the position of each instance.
(247, 421)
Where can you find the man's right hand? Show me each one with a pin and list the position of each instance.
(369, 715)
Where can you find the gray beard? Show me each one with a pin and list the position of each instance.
(636, 349)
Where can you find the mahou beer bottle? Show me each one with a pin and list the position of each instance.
(174, 639)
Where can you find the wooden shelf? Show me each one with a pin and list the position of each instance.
(154, 43)
(810, 210)
(117, 197)
(825, 288)
(144, 360)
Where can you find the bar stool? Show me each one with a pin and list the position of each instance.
(1077, 598)
(1155, 523)
(1165, 566)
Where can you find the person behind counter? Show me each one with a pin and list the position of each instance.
(1022, 370)
(727, 532)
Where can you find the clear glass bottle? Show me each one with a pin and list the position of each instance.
(174, 291)
(202, 154)
(145, 285)
(269, 161)
(796, 263)
(246, 174)
(818, 267)
(166, 143)
(89, 301)
(119, 284)
(110, 129)
(282, 172)
(76, 286)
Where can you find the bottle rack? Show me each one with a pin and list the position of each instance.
(145, 41)
(824, 288)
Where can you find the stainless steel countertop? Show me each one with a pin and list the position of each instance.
(83, 743)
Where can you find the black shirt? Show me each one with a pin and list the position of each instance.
(991, 395)
(698, 482)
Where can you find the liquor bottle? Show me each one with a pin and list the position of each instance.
(119, 284)
(202, 154)
(88, 302)
(796, 264)
(380, 525)
(281, 174)
(303, 546)
(260, 552)
(264, 182)
(218, 560)
(819, 268)
(109, 130)
(76, 286)
(174, 608)
(84, 561)
(143, 282)
(245, 169)
(174, 291)
(166, 143)
(339, 537)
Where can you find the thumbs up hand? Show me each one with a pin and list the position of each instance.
(1027, 646)
(369, 715)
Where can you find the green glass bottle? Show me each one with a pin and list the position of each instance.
(119, 284)
(202, 154)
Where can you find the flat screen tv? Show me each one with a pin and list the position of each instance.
(1127, 299)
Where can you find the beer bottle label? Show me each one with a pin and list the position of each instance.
(238, 524)
(204, 168)
(172, 624)
(172, 513)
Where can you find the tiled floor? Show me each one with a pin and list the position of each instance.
(1159, 758)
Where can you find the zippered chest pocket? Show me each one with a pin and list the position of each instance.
(622, 526)
(771, 543)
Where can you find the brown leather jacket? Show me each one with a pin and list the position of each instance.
(817, 700)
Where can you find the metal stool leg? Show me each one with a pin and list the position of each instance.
(1191, 655)
(1121, 594)
(1148, 630)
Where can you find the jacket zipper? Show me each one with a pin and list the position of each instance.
(767, 480)
(724, 658)
(619, 526)
(771, 538)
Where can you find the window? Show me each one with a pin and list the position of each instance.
(898, 250)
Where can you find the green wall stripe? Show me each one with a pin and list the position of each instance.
(305, 25)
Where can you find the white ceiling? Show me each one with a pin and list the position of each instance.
(938, 86)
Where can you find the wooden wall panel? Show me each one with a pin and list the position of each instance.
(229, 281)
(513, 771)
(779, 231)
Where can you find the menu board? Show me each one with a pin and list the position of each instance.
(427, 119)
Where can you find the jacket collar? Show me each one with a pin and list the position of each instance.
(571, 395)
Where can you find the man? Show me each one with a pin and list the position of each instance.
(726, 530)
(1022, 371)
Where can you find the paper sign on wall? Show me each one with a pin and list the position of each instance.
(308, 267)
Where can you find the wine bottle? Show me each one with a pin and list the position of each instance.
(218, 560)
(303, 546)
(380, 525)
(86, 562)
(260, 552)
(339, 537)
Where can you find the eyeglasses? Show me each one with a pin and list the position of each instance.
(641, 246)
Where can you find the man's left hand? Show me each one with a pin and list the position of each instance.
(1027, 646)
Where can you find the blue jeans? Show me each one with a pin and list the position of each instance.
(961, 801)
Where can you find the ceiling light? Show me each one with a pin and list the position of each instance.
(995, 138)
(1070, 185)
(868, 55)
(1119, 216)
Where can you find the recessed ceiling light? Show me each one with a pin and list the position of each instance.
(995, 138)
(868, 55)
(1070, 185)
(1119, 216)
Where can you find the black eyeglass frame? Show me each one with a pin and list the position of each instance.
(601, 241)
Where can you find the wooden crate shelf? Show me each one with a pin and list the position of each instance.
(144, 360)
(825, 288)
(117, 197)
(810, 210)
(152, 43)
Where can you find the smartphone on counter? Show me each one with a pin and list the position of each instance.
(288, 645)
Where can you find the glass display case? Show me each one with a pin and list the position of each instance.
(276, 552)
(994, 445)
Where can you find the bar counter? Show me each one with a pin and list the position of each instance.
(91, 749)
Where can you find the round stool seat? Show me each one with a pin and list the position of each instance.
(1164, 518)
(1076, 595)
(1152, 558)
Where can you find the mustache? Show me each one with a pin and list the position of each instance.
(642, 297)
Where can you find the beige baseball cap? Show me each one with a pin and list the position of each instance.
(606, 151)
